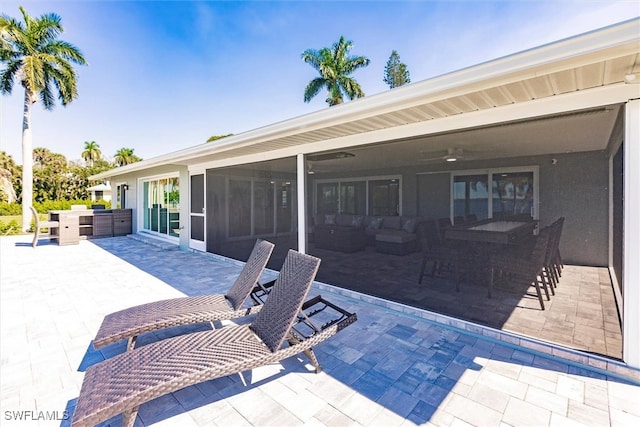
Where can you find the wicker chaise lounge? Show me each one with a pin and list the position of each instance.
(122, 383)
(134, 321)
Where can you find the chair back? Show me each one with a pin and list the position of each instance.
(429, 235)
(443, 224)
(539, 251)
(78, 208)
(36, 218)
(274, 321)
(557, 231)
(250, 274)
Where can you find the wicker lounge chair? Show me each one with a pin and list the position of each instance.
(134, 321)
(122, 383)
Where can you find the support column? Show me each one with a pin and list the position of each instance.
(631, 238)
(302, 203)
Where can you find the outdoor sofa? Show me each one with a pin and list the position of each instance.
(351, 233)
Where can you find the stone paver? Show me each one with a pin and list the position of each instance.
(388, 369)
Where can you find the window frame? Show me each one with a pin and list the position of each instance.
(535, 169)
(142, 200)
(366, 180)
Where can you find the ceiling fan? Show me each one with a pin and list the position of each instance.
(452, 155)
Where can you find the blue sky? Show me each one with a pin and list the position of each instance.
(164, 76)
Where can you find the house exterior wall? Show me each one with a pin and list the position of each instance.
(134, 196)
(574, 185)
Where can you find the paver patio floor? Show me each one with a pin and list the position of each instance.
(581, 313)
(392, 367)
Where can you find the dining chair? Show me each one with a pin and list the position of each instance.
(442, 255)
(523, 265)
(39, 224)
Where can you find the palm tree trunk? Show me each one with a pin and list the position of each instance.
(27, 162)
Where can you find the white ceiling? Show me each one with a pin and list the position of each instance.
(570, 132)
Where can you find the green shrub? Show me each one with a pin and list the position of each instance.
(9, 228)
(49, 205)
(10, 209)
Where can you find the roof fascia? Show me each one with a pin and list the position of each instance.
(549, 106)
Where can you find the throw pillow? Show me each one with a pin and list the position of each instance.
(409, 225)
(330, 219)
(375, 223)
(356, 221)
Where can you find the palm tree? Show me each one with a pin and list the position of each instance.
(334, 65)
(33, 56)
(125, 156)
(91, 152)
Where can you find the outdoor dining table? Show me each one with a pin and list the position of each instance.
(503, 232)
(481, 240)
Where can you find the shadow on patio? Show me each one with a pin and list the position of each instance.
(386, 368)
(582, 315)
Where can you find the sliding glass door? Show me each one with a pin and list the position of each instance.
(161, 206)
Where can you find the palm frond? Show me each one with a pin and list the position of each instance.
(66, 51)
(351, 88)
(313, 88)
(8, 76)
(46, 96)
(312, 57)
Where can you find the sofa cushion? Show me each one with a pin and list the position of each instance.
(330, 219)
(409, 225)
(356, 220)
(344, 220)
(392, 222)
(395, 236)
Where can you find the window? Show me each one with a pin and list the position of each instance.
(512, 193)
(353, 197)
(327, 195)
(384, 197)
(120, 196)
(470, 196)
(285, 206)
(259, 207)
(364, 196)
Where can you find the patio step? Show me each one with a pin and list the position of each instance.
(159, 243)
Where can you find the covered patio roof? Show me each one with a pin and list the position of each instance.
(585, 75)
